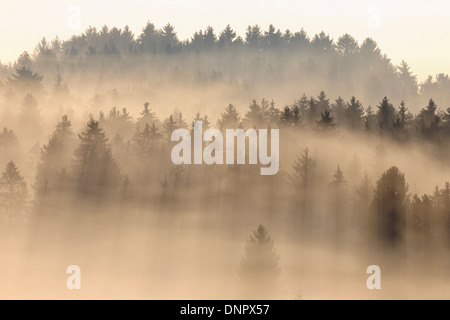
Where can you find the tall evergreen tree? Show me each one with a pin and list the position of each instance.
(55, 157)
(354, 114)
(230, 119)
(259, 270)
(389, 207)
(303, 182)
(14, 194)
(95, 170)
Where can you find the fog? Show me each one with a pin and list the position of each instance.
(87, 177)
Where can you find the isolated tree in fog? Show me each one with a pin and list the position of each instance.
(389, 206)
(94, 167)
(259, 270)
(13, 192)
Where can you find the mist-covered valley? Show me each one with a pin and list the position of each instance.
(87, 177)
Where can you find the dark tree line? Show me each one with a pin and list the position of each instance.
(259, 56)
(118, 160)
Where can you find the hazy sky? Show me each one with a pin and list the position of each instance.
(415, 30)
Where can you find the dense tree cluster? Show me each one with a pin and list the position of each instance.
(120, 160)
(259, 57)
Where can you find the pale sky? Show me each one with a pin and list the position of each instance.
(414, 30)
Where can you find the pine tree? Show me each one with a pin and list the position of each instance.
(338, 111)
(338, 196)
(408, 81)
(303, 180)
(94, 168)
(354, 114)
(147, 116)
(55, 156)
(429, 121)
(230, 119)
(13, 193)
(271, 113)
(386, 116)
(370, 120)
(170, 125)
(313, 112)
(259, 270)
(389, 206)
(227, 36)
(401, 123)
(255, 116)
(147, 141)
(323, 104)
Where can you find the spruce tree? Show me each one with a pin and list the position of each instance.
(94, 168)
(259, 270)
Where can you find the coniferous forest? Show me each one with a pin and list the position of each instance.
(86, 176)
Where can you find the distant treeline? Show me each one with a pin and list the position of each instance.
(270, 57)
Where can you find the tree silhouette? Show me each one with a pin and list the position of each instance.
(55, 157)
(347, 45)
(386, 116)
(94, 168)
(227, 36)
(230, 119)
(303, 183)
(259, 270)
(389, 207)
(354, 114)
(254, 118)
(429, 121)
(27, 80)
(13, 193)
